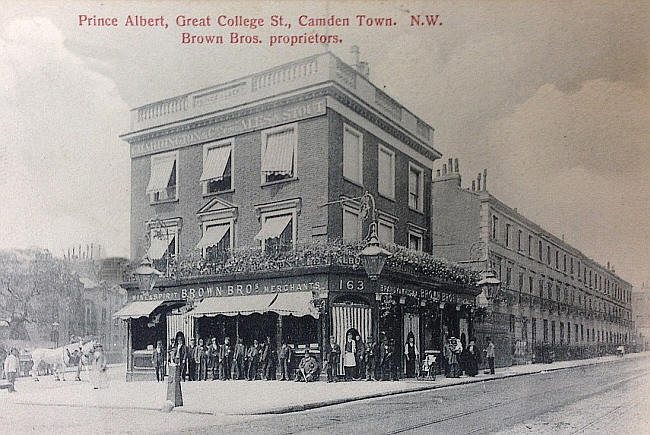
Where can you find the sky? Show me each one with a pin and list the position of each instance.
(551, 97)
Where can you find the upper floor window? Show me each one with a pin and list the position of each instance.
(386, 231)
(386, 172)
(278, 231)
(571, 265)
(217, 240)
(557, 259)
(217, 167)
(519, 240)
(539, 250)
(351, 223)
(416, 238)
(164, 177)
(530, 245)
(416, 188)
(507, 241)
(495, 227)
(163, 245)
(564, 261)
(279, 151)
(352, 155)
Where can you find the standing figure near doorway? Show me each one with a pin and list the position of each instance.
(214, 358)
(225, 359)
(158, 361)
(253, 355)
(284, 359)
(349, 358)
(332, 359)
(239, 355)
(201, 360)
(412, 356)
(271, 358)
(386, 361)
(370, 358)
(360, 356)
(191, 362)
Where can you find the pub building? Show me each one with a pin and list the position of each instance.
(250, 198)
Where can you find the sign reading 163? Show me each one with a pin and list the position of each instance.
(351, 284)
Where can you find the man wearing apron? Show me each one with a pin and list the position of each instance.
(349, 358)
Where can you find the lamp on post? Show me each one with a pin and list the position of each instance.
(489, 286)
(146, 275)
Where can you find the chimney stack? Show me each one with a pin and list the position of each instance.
(478, 182)
(473, 185)
(437, 172)
(451, 165)
(456, 165)
(444, 169)
(484, 179)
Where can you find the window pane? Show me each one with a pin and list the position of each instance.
(350, 226)
(385, 232)
(386, 174)
(414, 189)
(351, 156)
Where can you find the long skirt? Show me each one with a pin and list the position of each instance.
(174, 393)
(99, 378)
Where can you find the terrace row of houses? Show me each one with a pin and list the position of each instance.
(275, 165)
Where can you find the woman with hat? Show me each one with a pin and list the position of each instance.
(99, 376)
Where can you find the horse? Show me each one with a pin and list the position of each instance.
(66, 356)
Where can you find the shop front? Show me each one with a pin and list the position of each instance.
(302, 306)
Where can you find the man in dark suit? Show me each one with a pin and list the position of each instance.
(239, 356)
(284, 358)
(158, 358)
(253, 355)
(225, 359)
(332, 358)
(191, 363)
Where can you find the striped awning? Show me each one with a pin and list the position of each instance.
(161, 171)
(213, 236)
(215, 163)
(278, 155)
(137, 309)
(158, 247)
(291, 303)
(272, 227)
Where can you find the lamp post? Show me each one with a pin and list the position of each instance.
(489, 286)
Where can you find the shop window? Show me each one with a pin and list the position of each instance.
(352, 155)
(217, 167)
(416, 188)
(386, 172)
(164, 177)
(279, 150)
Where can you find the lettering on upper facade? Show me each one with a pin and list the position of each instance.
(230, 128)
(241, 288)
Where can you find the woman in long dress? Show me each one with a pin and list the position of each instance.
(349, 357)
(178, 356)
(99, 375)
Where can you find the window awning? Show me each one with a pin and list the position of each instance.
(137, 309)
(161, 171)
(158, 247)
(215, 163)
(212, 236)
(278, 156)
(233, 305)
(273, 227)
(295, 303)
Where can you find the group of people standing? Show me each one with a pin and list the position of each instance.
(466, 358)
(203, 361)
(367, 360)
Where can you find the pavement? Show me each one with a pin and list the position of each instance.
(244, 398)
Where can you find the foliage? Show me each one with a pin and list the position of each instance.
(36, 288)
(342, 253)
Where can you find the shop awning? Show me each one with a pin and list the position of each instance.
(161, 171)
(212, 236)
(233, 305)
(297, 304)
(278, 156)
(215, 163)
(273, 227)
(158, 247)
(137, 309)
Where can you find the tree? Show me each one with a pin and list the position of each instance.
(36, 289)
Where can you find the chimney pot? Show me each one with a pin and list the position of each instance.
(473, 185)
(478, 182)
(444, 169)
(456, 165)
(451, 165)
(484, 179)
